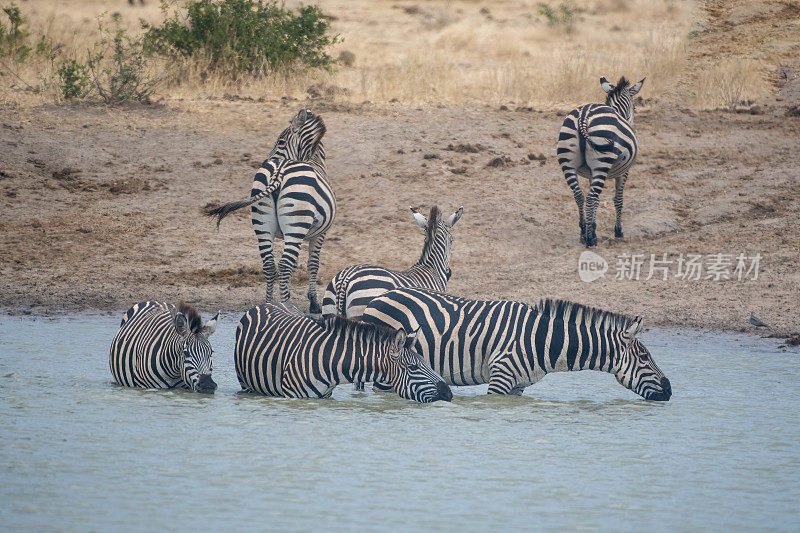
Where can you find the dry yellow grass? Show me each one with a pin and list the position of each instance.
(438, 52)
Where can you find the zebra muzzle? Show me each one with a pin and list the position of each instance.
(443, 392)
(205, 384)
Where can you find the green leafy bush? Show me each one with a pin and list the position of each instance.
(13, 40)
(244, 36)
(74, 79)
(563, 16)
(119, 68)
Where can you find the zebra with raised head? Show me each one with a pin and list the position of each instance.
(291, 198)
(598, 142)
(161, 346)
(511, 345)
(279, 352)
(353, 288)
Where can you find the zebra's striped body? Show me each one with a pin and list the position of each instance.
(598, 142)
(161, 347)
(281, 353)
(291, 198)
(353, 288)
(511, 345)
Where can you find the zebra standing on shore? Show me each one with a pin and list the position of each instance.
(279, 352)
(511, 345)
(353, 288)
(160, 346)
(292, 199)
(598, 142)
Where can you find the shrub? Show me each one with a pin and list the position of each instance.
(13, 40)
(244, 36)
(74, 79)
(563, 16)
(119, 68)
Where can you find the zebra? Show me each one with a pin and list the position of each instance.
(597, 142)
(279, 352)
(351, 290)
(162, 346)
(292, 199)
(511, 345)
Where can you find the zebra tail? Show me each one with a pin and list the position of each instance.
(584, 131)
(226, 209)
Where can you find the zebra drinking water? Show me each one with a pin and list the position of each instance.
(598, 142)
(353, 288)
(279, 352)
(511, 345)
(160, 346)
(292, 199)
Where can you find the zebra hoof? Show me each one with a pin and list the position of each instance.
(618, 233)
(314, 308)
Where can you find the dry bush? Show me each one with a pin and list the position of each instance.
(731, 83)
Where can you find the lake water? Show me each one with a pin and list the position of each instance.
(577, 451)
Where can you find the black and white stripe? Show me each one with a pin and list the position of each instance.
(279, 352)
(160, 346)
(598, 142)
(291, 199)
(353, 288)
(511, 345)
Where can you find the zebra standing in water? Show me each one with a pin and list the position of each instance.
(160, 346)
(291, 198)
(279, 352)
(351, 290)
(511, 345)
(597, 142)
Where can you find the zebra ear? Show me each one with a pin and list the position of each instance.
(209, 327)
(181, 324)
(422, 222)
(607, 87)
(634, 328)
(455, 217)
(399, 342)
(638, 87)
(299, 119)
(411, 338)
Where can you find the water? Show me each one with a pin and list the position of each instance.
(577, 451)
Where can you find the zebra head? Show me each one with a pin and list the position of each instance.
(636, 370)
(195, 348)
(302, 140)
(410, 375)
(438, 240)
(620, 96)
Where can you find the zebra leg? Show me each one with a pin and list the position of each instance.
(262, 215)
(598, 180)
(577, 193)
(620, 184)
(291, 250)
(501, 379)
(314, 248)
(329, 299)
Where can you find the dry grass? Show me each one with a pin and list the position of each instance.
(731, 83)
(434, 52)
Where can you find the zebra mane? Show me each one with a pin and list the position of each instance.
(591, 316)
(361, 330)
(430, 231)
(317, 128)
(192, 316)
(622, 84)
